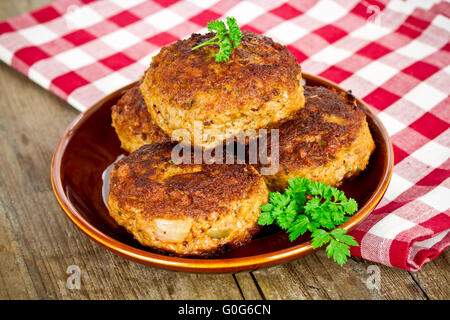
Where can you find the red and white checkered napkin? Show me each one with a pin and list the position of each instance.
(395, 55)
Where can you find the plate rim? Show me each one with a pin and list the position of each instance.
(207, 265)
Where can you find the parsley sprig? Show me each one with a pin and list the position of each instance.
(226, 38)
(315, 207)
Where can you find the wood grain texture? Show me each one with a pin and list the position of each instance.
(38, 243)
(317, 277)
(434, 277)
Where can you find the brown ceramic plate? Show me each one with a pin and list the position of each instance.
(90, 145)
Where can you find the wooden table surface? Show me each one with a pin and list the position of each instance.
(38, 243)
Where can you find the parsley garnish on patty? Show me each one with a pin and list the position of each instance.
(226, 38)
(315, 207)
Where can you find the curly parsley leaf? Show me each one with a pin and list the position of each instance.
(341, 236)
(235, 33)
(297, 190)
(287, 216)
(338, 251)
(224, 50)
(225, 38)
(217, 25)
(266, 218)
(319, 238)
(315, 207)
(298, 227)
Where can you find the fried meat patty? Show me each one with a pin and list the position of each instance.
(259, 85)
(185, 209)
(327, 141)
(132, 122)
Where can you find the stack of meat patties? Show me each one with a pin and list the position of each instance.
(201, 209)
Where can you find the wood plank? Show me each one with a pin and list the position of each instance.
(12, 8)
(318, 277)
(14, 278)
(248, 285)
(434, 277)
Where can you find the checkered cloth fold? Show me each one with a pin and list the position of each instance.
(395, 55)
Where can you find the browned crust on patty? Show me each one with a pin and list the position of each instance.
(311, 121)
(254, 71)
(259, 85)
(133, 123)
(328, 140)
(147, 179)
